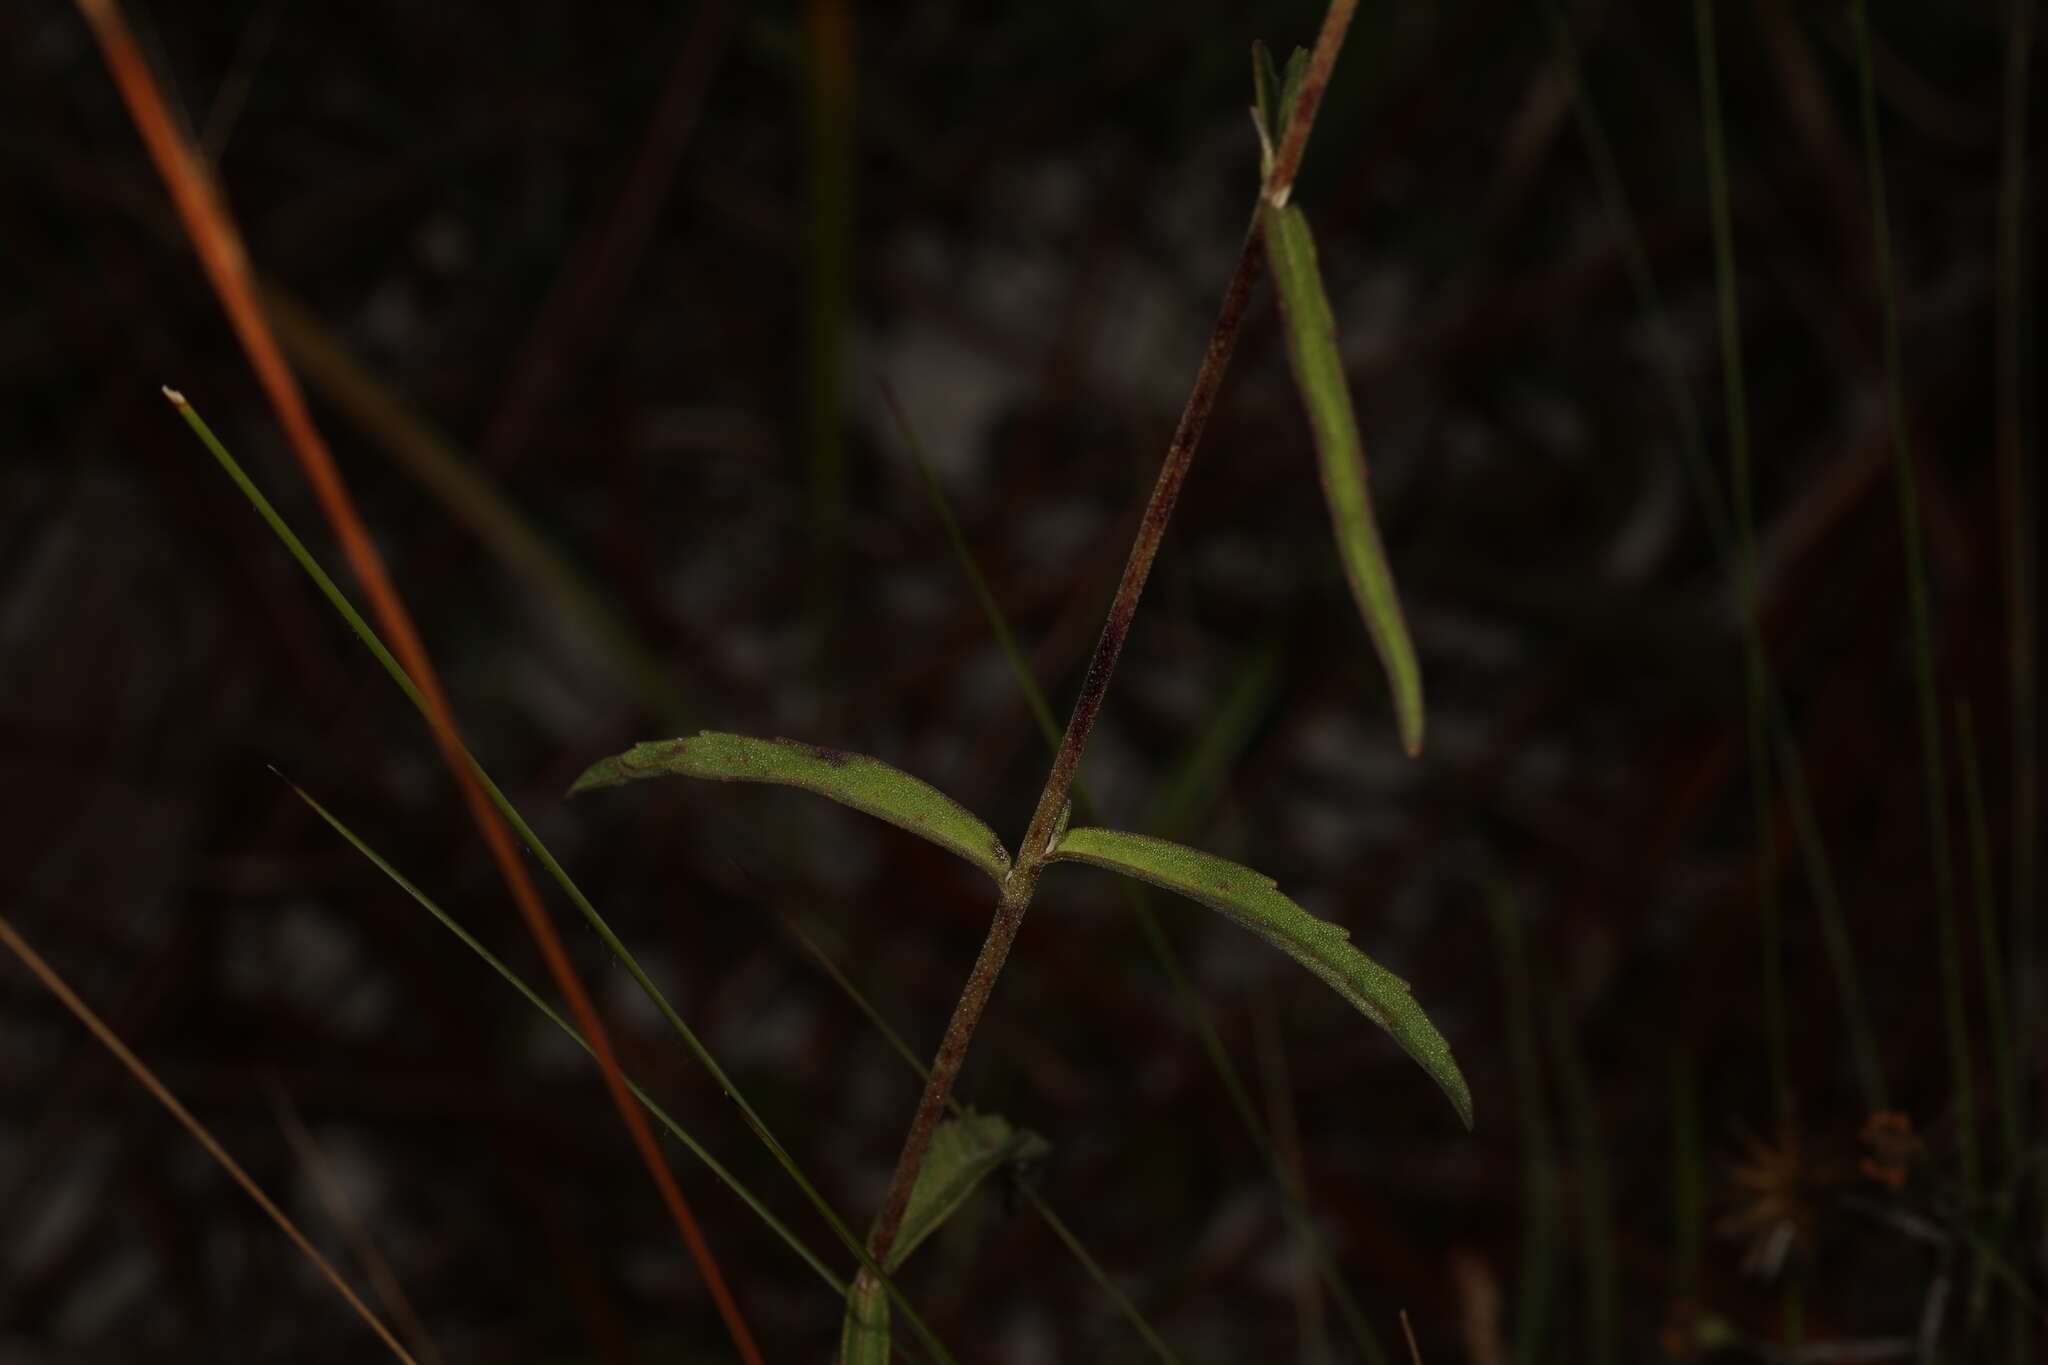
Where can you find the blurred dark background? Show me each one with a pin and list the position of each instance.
(592, 254)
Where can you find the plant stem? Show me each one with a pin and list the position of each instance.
(1036, 846)
(1037, 842)
(938, 1085)
(1031, 852)
(1317, 79)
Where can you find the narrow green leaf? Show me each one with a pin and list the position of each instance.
(1252, 901)
(1319, 374)
(964, 1152)
(864, 1333)
(1265, 99)
(866, 784)
(1274, 96)
(1290, 89)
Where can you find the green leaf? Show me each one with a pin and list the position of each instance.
(964, 1152)
(1274, 96)
(855, 780)
(1319, 374)
(1290, 90)
(1324, 948)
(864, 1332)
(1265, 94)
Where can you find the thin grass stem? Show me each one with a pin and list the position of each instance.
(1934, 772)
(214, 236)
(1864, 1053)
(533, 842)
(554, 1016)
(479, 503)
(375, 1266)
(829, 61)
(1536, 1284)
(2020, 552)
(1736, 403)
(1591, 1162)
(108, 1039)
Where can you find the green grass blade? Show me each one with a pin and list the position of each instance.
(1736, 406)
(554, 1016)
(1998, 1019)
(1319, 375)
(1206, 762)
(477, 502)
(1536, 1283)
(1688, 1180)
(830, 72)
(363, 631)
(1591, 1161)
(1252, 901)
(2020, 559)
(866, 784)
(965, 1151)
(991, 611)
(1997, 1009)
(1674, 369)
(1934, 770)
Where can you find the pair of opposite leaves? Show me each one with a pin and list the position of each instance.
(1236, 891)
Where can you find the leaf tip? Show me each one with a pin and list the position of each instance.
(603, 773)
(177, 399)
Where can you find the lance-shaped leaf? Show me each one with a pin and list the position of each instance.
(1319, 374)
(1251, 899)
(852, 779)
(964, 1152)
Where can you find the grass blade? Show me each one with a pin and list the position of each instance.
(1253, 902)
(477, 502)
(1920, 612)
(866, 784)
(829, 71)
(374, 1264)
(1673, 367)
(1207, 760)
(2021, 558)
(554, 1016)
(532, 840)
(225, 258)
(108, 1039)
(1542, 1217)
(1592, 1162)
(1319, 375)
(1736, 407)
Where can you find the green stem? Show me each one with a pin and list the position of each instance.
(1947, 930)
